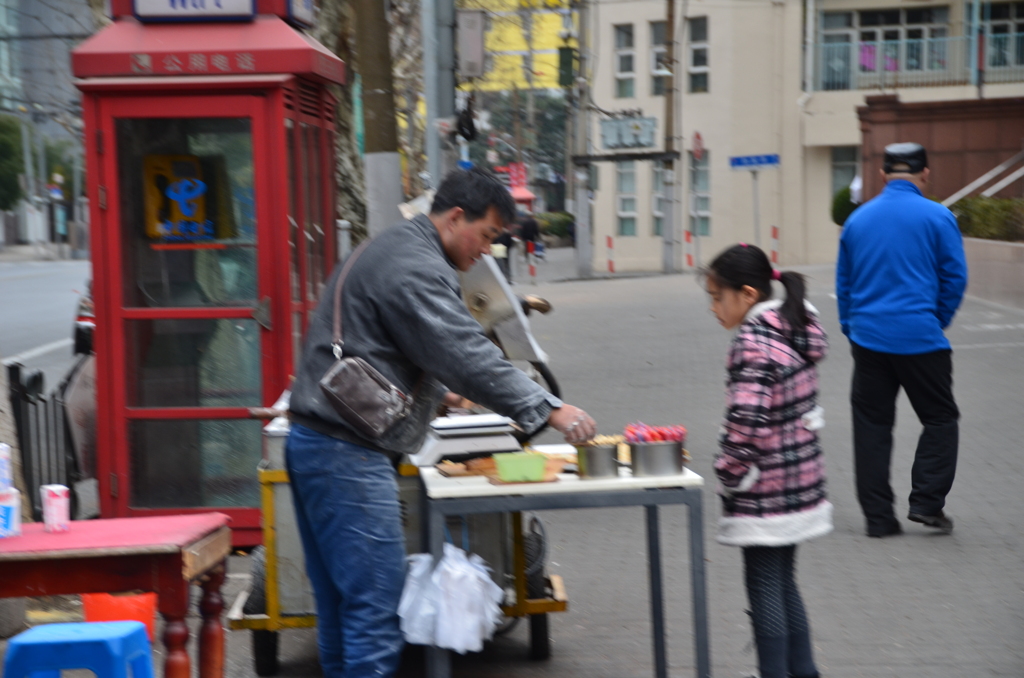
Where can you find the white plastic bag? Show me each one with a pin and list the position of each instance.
(418, 605)
(468, 601)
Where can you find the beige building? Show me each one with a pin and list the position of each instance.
(746, 87)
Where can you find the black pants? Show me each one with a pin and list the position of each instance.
(781, 631)
(928, 381)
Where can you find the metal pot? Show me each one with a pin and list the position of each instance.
(656, 459)
(597, 461)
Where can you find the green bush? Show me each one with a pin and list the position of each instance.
(842, 206)
(991, 218)
(554, 223)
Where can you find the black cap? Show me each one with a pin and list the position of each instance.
(910, 154)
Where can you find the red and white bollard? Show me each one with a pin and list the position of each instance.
(611, 253)
(775, 245)
(530, 245)
(688, 236)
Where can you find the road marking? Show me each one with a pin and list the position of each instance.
(993, 327)
(1008, 344)
(40, 350)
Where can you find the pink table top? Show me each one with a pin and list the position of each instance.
(122, 536)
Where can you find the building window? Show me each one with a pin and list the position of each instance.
(870, 47)
(625, 196)
(698, 62)
(625, 70)
(700, 194)
(1003, 23)
(658, 198)
(661, 69)
(844, 166)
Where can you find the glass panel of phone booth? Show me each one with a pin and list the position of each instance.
(191, 354)
(187, 212)
(211, 465)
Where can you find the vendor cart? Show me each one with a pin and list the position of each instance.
(280, 595)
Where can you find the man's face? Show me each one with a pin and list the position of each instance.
(465, 241)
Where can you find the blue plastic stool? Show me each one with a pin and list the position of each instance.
(107, 649)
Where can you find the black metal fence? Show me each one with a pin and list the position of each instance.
(47, 453)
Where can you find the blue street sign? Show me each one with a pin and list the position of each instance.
(752, 162)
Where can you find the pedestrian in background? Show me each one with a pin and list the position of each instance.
(502, 250)
(770, 467)
(900, 278)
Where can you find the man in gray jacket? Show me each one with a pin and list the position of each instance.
(402, 312)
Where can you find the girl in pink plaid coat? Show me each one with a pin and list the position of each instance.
(770, 468)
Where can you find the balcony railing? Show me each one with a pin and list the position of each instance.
(934, 62)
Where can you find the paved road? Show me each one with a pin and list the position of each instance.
(916, 606)
(37, 307)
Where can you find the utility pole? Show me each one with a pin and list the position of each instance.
(526, 17)
(76, 229)
(517, 127)
(668, 178)
(381, 161)
(26, 151)
(581, 175)
(438, 22)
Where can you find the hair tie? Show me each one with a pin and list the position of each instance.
(776, 274)
(743, 244)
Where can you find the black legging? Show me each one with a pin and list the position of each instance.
(781, 630)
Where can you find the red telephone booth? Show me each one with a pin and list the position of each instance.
(210, 154)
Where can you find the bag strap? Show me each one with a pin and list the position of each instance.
(337, 342)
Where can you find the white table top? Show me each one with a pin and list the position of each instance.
(442, 487)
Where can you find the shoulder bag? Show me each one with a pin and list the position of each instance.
(361, 395)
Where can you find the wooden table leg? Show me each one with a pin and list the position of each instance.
(178, 664)
(211, 635)
(173, 591)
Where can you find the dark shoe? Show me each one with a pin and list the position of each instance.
(885, 532)
(938, 521)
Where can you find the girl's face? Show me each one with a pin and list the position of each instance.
(730, 306)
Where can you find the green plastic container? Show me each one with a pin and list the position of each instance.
(520, 467)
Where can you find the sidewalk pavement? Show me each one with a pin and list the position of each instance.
(919, 605)
(35, 252)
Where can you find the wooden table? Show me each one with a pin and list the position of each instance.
(164, 554)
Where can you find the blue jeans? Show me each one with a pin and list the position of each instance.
(346, 506)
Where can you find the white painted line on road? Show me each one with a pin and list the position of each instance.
(1008, 344)
(39, 350)
(993, 327)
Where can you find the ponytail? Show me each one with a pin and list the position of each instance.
(747, 265)
(793, 308)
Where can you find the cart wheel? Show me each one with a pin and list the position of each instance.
(540, 637)
(264, 652)
(256, 603)
(534, 547)
(264, 643)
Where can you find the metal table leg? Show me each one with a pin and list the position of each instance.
(700, 604)
(657, 600)
(439, 661)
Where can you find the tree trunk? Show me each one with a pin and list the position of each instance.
(9, 435)
(335, 32)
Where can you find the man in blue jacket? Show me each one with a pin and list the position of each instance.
(900, 278)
